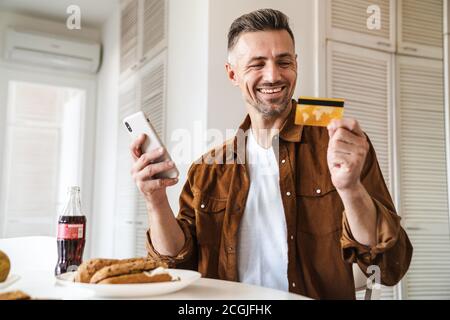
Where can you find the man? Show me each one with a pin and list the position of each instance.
(297, 223)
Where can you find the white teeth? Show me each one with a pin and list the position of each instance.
(270, 90)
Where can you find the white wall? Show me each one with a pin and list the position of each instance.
(225, 106)
(106, 141)
(187, 82)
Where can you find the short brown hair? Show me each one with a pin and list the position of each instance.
(259, 20)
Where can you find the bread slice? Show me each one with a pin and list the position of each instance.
(88, 268)
(126, 268)
(141, 277)
(14, 295)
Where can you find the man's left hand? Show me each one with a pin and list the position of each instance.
(347, 151)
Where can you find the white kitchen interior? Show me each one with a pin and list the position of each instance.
(64, 93)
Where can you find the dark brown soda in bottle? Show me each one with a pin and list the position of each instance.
(71, 236)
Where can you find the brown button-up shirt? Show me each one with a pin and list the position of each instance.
(321, 248)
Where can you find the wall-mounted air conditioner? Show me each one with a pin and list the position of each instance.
(52, 51)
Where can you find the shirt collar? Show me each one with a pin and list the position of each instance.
(289, 132)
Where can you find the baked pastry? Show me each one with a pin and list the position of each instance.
(14, 295)
(126, 268)
(141, 277)
(115, 271)
(88, 268)
(5, 266)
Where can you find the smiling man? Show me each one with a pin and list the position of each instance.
(292, 207)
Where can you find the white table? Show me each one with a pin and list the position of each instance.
(41, 284)
(35, 268)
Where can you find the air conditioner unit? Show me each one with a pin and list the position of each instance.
(51, 51)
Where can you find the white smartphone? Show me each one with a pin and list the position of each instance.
(137, 124)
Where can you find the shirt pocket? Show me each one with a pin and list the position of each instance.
(319, 205)
(210, 213)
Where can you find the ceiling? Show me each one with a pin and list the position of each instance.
(93, 12)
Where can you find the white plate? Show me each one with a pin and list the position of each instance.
(134, 290)
(9, 281)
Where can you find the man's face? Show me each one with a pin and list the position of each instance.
(264, 66)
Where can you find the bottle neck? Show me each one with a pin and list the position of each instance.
(73, 206)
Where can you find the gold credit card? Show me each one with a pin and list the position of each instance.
(318, 111)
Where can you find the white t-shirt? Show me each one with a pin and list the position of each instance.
(262, 237)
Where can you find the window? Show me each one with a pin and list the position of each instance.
(41, 157)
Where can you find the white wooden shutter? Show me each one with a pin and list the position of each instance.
(32, 159)
(423, 176)
(154, 27)
(362, 77)
(152, 95)
(32, 180)
(420, 28)
(129, 35)
(347, 22)
(126, 191)
(152, 103)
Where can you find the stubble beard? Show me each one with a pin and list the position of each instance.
(267, 110)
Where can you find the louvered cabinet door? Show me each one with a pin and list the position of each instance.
(423, 176)
(129, 53)
(420, 28)
(152, 92)
(154, 28)
(347, 22)
(152, 86)
(362, 77)
(126, 191)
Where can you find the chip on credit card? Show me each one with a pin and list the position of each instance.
(318, 111)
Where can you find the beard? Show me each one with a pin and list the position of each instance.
(270, 108)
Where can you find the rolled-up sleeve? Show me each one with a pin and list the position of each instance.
(393, 251)
(187, 257)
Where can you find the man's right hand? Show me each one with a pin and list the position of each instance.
(144, 169)
(166, 234)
